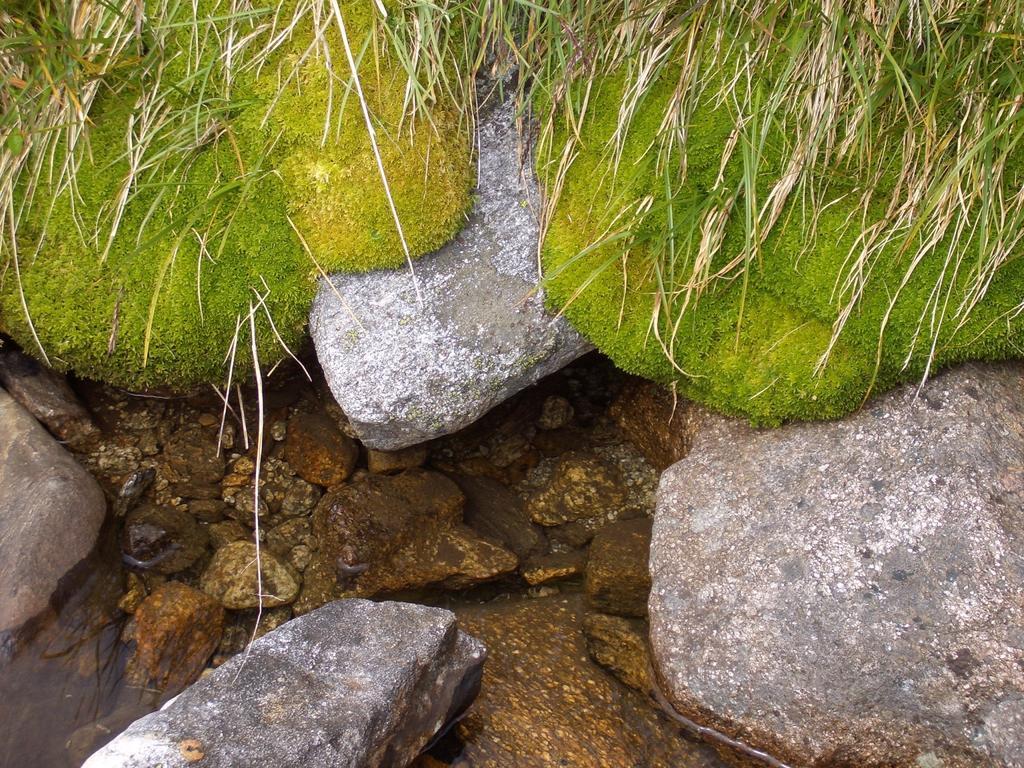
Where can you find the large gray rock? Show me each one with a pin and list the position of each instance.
(354, 684)
(405, 371)
(51, 511)
(853, 593)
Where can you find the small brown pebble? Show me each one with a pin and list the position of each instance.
(191, 750)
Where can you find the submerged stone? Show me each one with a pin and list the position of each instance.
(409, 357)
(177, 629)
(543, 703)
(353, 685)
(231, 577)
(852, 592)
(51, 511)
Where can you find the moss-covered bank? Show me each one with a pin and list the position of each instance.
(242, 196)
(751, 344)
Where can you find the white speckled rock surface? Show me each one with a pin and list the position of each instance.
(405, 372)
(852, 593)
(354, 684)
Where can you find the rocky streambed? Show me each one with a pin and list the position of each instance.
(591, 574)
(533, 525)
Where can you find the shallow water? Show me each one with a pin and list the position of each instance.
(62, 690)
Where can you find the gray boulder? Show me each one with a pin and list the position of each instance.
(51, 511)
(852, 593)
(353, 684)
(406, 371)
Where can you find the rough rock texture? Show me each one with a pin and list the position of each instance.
(47, 396)
(177, 629)
(661, 426)
(353, 685)
(231, 578)
(495, 511)
(51, 510)
(544, 704)
(370, 518)
(620, 646)
(407, 370)
(554, 566)
(453, 558)
(385, 533)
(618, 580)
(852, 593)
(582, 487)
(161, 539)
(318, 451)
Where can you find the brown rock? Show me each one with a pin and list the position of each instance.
(319, 586)
(558, 565)
(620, 646)
(161, 539)
(288, 534)
(618, 579)
(660, 426)
(47, 396)
(582, 486)
(231, 577)
(544, 703)
(192, 465)
(453, 558)
(177, 629)
(318, 451)
(225, 532)
(386, 462)
(494, 511)
(207, 510)
(368, 519)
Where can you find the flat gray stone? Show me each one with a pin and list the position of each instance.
(404, 371)
(51, 511)
(354, 684)
(852, 593)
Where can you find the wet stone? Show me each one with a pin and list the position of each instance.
(493, 510)
(282, 538)
(161, 539)
(395, 461)
(47, 396)
(556, 413)
(618, 580)
(231, 578)
(318, 451)
(553, 567)
(452, 558)
(620, 646)
(661, 426)
(373, 516)
(581, 486)
(192, 465)
(207, 510)
(544, 703)
(177, 629)
(225, 532)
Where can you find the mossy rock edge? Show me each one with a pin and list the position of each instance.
(750, 347)
(160, 304)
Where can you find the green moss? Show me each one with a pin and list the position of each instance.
(749, 346)
(201, 241)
